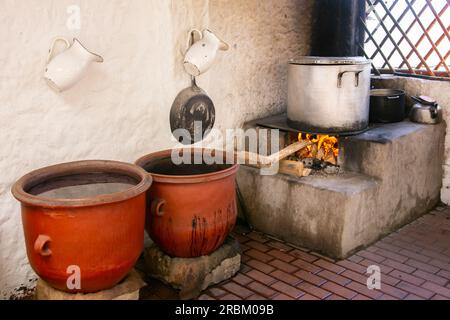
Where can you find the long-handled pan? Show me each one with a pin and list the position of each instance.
(193, 111)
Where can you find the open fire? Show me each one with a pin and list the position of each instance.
(322, 152)
(323, 147)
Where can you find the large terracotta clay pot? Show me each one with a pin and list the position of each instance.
(88, 215)
(191, 208)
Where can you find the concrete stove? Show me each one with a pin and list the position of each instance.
(392, 174)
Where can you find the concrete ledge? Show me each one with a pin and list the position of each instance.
(309, 212)
(386, 133)
(348, 183)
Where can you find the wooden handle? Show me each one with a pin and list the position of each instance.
(286, 152)
(251, 158)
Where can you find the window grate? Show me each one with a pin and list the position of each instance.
(408, 37)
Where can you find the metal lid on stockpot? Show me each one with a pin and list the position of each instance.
(312, 60)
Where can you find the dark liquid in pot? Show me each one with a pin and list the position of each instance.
(165, 166)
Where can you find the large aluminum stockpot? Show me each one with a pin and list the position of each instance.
(329, 94)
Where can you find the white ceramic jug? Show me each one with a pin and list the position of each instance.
(68, 67)
(200, 56)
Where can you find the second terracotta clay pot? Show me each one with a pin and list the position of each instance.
(191, 208)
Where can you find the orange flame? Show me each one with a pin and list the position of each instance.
(324, 147)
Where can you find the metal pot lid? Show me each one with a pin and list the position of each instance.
(308, 60)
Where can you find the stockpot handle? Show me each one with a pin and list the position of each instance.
(157, 205)
(41, 245)
(341, 74)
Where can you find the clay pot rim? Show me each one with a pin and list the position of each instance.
(195, 178)
(79, 167)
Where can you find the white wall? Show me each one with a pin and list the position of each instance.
(121, 109)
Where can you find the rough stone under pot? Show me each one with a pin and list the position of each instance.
(193, 275)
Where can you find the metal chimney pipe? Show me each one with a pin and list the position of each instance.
(337, 30)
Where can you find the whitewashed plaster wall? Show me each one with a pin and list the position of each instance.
(440, 90)
(121, 109)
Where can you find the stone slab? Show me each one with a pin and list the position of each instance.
(127, 289)
(347, 182)
(193, 275)
(385, 133)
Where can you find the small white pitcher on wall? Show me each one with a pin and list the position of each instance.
(201, 54)
(68, 67)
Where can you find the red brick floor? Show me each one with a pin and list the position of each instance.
(414, 263)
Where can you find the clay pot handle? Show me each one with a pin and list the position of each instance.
(41, 245)
(157, 205)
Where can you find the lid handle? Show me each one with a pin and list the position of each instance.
(425, 100)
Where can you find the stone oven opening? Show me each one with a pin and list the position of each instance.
(321, 154)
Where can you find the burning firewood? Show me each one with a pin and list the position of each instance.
(293, 168)
(260, 161)
(323, 147)
(330, 158)
(303, 153)
(307, 172)
(290, 167)
(320, 154)
(314, 150)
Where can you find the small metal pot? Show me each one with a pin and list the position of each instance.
(426, 110)
(387, 105)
